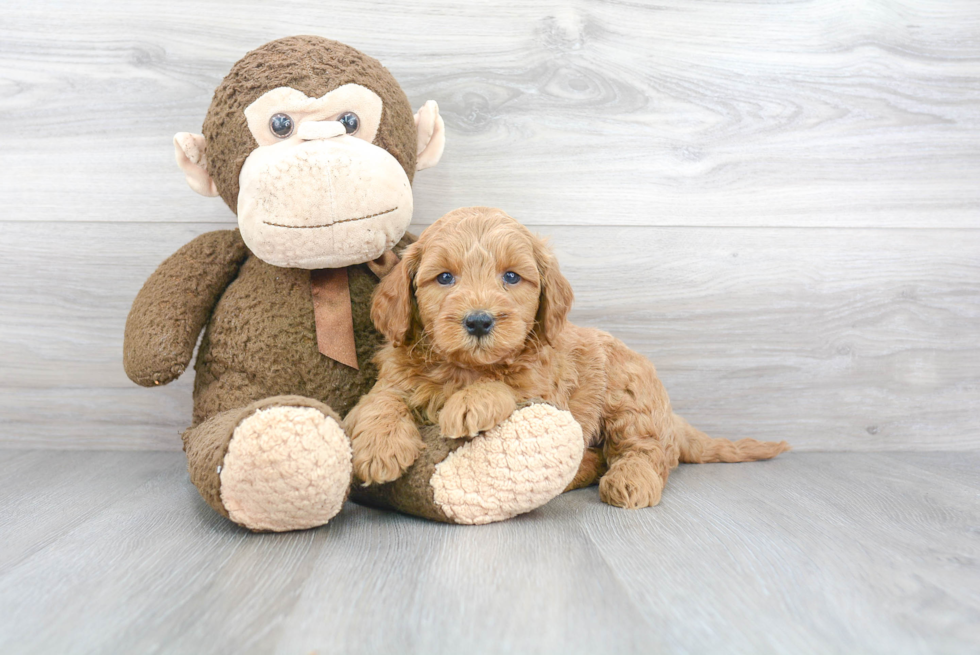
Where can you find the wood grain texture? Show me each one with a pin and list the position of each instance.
(777, 202)
(809, 553)
(830, 339)
(575, 112)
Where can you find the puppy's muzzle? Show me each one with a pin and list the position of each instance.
(479, 324)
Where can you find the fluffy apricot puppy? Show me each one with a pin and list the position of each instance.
(475, 317)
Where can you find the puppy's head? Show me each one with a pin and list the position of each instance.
(478, 285)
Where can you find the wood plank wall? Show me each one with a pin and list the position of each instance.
(778, 202)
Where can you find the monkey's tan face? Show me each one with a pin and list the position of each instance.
(317, 193)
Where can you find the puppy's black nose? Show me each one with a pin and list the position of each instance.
(478, 323)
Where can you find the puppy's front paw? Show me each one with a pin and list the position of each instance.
(469, 412)
(381, 457)
(631, 484)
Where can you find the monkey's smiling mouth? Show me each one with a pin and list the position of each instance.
(343, 220)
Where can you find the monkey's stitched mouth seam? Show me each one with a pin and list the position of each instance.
(345, 220)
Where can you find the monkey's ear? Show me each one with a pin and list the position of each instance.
(432, 135)
(189, 149)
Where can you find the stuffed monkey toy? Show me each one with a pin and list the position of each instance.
(314, 146)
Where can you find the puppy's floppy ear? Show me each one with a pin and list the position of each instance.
(556, 294)
(393, 304)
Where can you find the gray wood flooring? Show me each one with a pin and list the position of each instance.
(113, 552)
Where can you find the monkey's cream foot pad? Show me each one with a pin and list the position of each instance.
(514, 468)
(287, 468)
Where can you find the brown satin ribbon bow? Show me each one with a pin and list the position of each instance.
(332, 308)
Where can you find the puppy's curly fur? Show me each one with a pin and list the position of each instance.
(436, 370)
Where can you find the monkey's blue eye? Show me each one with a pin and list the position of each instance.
(510, 277)
(445, 279)
(350, 121)
(281, 125)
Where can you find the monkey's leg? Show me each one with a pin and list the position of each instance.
(514, 468)
(281, 463)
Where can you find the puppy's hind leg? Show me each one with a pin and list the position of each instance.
(698, 448)
(590, 470)
(637, 432)
(635, 479)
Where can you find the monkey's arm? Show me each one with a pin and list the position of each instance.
(175, 303)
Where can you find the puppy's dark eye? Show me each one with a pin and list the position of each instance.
(350, 121)
(510, 277)
(281, 125)
(445, 279)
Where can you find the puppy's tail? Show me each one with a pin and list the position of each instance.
(698, 448)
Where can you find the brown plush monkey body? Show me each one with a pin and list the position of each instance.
(314, 146)
(259, 342)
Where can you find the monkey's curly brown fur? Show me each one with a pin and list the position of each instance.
(326, 66)
(433, 367)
